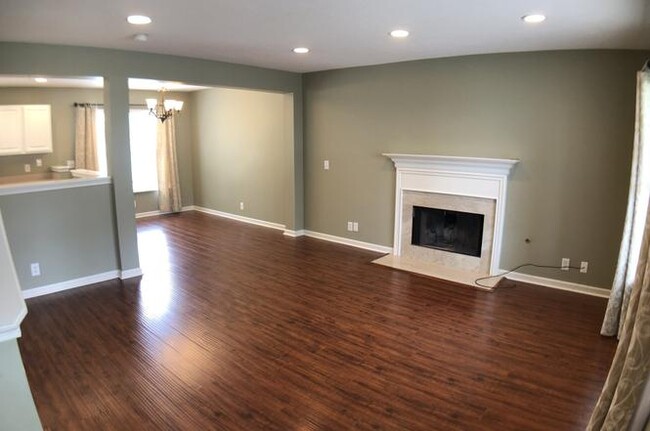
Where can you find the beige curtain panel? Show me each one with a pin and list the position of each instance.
(169, 192)
(622, 405)
(637, 209)
(85, 145)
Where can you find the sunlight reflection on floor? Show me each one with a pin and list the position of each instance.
(156, 285)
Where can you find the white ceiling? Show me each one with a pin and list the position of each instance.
(340, 33)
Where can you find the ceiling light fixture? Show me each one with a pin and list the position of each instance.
(40, 80)
(138, 19)
(301, 50)
(162, 108)
(399, 33)
(533, 18)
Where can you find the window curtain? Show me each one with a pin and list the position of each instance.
(85, 141)
(637, 209)
(169, 193)
(623, 403)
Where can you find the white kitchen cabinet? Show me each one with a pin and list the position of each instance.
(11, 130)
(25, 129)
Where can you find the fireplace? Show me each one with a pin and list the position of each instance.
(449, 230)
(449, 214)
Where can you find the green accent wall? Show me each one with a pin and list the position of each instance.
(240, 152)
(567, 115)
(17, 409)
(69, 232)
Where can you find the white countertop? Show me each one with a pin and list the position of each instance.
(45, 185)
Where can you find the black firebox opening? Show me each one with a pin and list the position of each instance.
(453, 231)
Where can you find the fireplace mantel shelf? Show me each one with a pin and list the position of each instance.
(480, 165)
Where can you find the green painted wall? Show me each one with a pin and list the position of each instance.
(70, 232)
(240, 152)
(568, 116)
(17, 409)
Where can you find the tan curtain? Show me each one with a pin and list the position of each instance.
(85, 141)
(637, 209)
(622, 404)
(169, 193)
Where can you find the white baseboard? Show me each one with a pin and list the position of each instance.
(70, 284)
(158, 212)
(294, 233)
(148, 214)
(347, 241)
(82, 281)
(12, 331)
(558, 284)
(130, 273)
(236, 217)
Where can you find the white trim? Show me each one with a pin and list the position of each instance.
(158, 212)
(482, 165)
(149, 214)
(347, 241)
(12, 306)
(460, 176)
(10, 332)
(236, 217)
(130, 273)
(45, 185)
(558, 284)
(294, 233)
(70, 284)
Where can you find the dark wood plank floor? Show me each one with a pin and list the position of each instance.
(235, 327)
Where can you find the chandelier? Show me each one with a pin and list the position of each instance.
(162, 108)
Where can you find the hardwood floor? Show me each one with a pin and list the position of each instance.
(236, 327)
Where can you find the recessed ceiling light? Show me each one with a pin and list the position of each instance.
(301, 50)
(40, 80)
(533, 18)
(138, 19)
(399, 33)
(141, 37)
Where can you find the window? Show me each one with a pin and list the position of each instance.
(143, 136)
(142, 127)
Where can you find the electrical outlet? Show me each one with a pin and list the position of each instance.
(584, 266)
(241, 205)
(39, 162)
(28, 167)
(326, 165)
(350, 226)
(566, 262)
(36, 269)
(70, 163)
(355, 226)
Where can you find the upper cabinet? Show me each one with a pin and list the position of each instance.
(25, 129)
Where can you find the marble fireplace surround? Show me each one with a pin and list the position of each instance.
(468, 184)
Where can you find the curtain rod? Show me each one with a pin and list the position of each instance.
(81, 105)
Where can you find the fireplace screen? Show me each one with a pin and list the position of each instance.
(453, 231)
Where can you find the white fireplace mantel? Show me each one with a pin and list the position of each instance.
(461, 176)
(476, 165)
